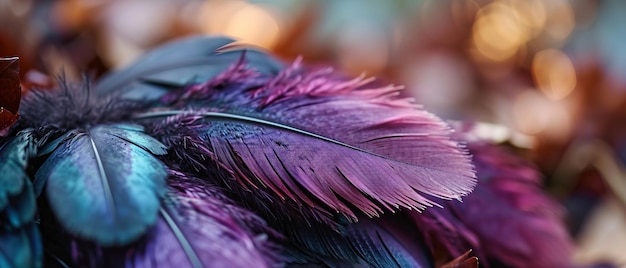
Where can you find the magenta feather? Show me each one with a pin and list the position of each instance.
(320, 141)
(514, 219)
(507, 220)
(311, 153)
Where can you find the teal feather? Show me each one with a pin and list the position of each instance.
(21, 247)
(17, 201)
(105, 184)
(47, 148)
(20, 242)
(21, 208)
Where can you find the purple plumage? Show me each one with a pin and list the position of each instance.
(322, 142)
(199, 227)
(519, 224)
(507, 220)
(268, 166)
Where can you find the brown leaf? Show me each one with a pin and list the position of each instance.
(7, 119)
(463, 261)
(10, 92)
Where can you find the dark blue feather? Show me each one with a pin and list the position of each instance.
(177, 64)
(370, 242)
(105, 184)
(21, 247)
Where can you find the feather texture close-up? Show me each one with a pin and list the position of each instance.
(207, 153)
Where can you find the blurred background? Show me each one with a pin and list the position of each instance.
(545, 78)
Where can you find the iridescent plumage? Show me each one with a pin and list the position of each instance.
(207, 154)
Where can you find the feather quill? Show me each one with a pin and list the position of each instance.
(105, 184)
(445, 234)
(463, 261)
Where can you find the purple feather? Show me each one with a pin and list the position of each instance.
(198, 227)
(316, 140)
(506, 220)
(518, 224)
(317, 155)
(189, 152)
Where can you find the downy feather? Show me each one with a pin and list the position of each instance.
(73, 106)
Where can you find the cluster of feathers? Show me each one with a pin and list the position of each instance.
(207, 154)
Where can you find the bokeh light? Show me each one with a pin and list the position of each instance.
(502, 28)
(248, 22)
(554, 73)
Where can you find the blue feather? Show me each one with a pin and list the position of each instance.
(13, 161)
(48, 147)
(178, 64)
(105, 184)
(370, 242)
(21, 208)
(21, 247)
(20, 243)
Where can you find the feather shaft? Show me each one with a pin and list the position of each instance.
(104, 179)
(180, 237)
(248, 119)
